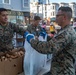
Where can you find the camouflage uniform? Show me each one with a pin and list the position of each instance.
(63, 47)
(6, 35)
(34, 29)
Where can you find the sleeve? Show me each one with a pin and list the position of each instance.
(55, 44)
(18, 28)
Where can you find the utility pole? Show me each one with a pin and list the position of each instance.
(38, 9)
(42, 11)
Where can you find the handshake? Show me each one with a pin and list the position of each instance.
(30, 36)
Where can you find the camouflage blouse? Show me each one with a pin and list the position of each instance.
(63, 48)
(34, 29)
(6, 35)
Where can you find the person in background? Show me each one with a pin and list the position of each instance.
(74, 23)
(44, 25)
(7, 30)
(35, 28)
(62, 45)
(52, 28)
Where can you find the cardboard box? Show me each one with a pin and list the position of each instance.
(12, 66)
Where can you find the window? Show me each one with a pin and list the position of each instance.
(6, 1)
(46, 14)
(25, 3)
(53, 7)
(53, 13)
(45, 8)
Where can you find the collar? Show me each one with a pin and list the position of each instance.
(3, 24)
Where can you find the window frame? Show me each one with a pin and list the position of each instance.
(24, 1)
(6, 3)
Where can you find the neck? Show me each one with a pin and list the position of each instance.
(3, 24)
(65, 24)
(34, 25)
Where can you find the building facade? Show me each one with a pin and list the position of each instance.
(73, 6)
(49, 10)
(18, 9)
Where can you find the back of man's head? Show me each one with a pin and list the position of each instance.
(67, 10)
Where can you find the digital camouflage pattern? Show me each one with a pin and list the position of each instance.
(34, 29)
(63, 48)
(7, 33)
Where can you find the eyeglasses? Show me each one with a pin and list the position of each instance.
(59, 15)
